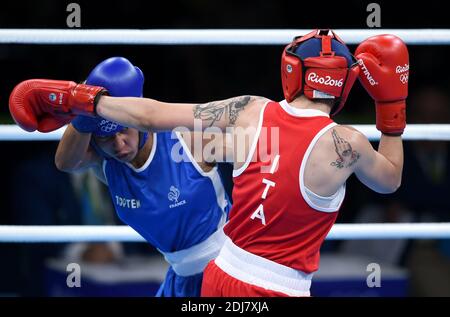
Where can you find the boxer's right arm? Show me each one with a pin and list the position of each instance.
(384, 62)
(379, 170)
(74, 153)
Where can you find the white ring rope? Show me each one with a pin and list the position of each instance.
(206, 36)
(10, 132)
(17, 234)
(68, 234)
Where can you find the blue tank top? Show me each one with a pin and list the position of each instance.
(173, 205)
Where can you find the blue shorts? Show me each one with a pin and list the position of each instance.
(180, 286)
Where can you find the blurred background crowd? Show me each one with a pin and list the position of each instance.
(33, 192)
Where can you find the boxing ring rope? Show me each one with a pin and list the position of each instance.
(215, 37)
(413, 132)
(35, 234)
(205, 36)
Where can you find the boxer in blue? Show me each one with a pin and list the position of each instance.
(178, 207)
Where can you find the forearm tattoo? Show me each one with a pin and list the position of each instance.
(214, 111)
(346, 156)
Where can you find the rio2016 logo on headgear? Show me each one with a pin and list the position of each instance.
(108, 126)
(327, 80)
(52, 97)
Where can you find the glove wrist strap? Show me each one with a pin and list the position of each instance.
(391, 117)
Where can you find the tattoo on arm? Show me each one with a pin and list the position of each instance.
(214, 111)
(346, 156)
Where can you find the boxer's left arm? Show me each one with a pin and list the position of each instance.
(151, 115)
(32, 98)
(31, 101)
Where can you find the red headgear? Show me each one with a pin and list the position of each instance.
(323, 76)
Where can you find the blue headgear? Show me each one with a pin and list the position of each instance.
(313, 48)
(121, 79)
(318, 65)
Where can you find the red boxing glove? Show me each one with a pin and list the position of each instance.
(47, 105)
(384, 65)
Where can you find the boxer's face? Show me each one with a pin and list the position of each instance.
(123, 146)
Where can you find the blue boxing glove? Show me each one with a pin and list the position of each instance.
(121, 79)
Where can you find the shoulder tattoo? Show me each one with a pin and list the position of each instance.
(346, 155)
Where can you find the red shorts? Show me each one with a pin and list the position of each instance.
(217, 283)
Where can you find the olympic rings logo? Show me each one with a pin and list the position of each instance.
(404, 78)
(108, 126)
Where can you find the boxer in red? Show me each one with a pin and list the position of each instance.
(285, 201)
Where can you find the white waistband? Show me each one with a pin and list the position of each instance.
(258, 271)
(193, 260)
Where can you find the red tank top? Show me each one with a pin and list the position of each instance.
(270, 216)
